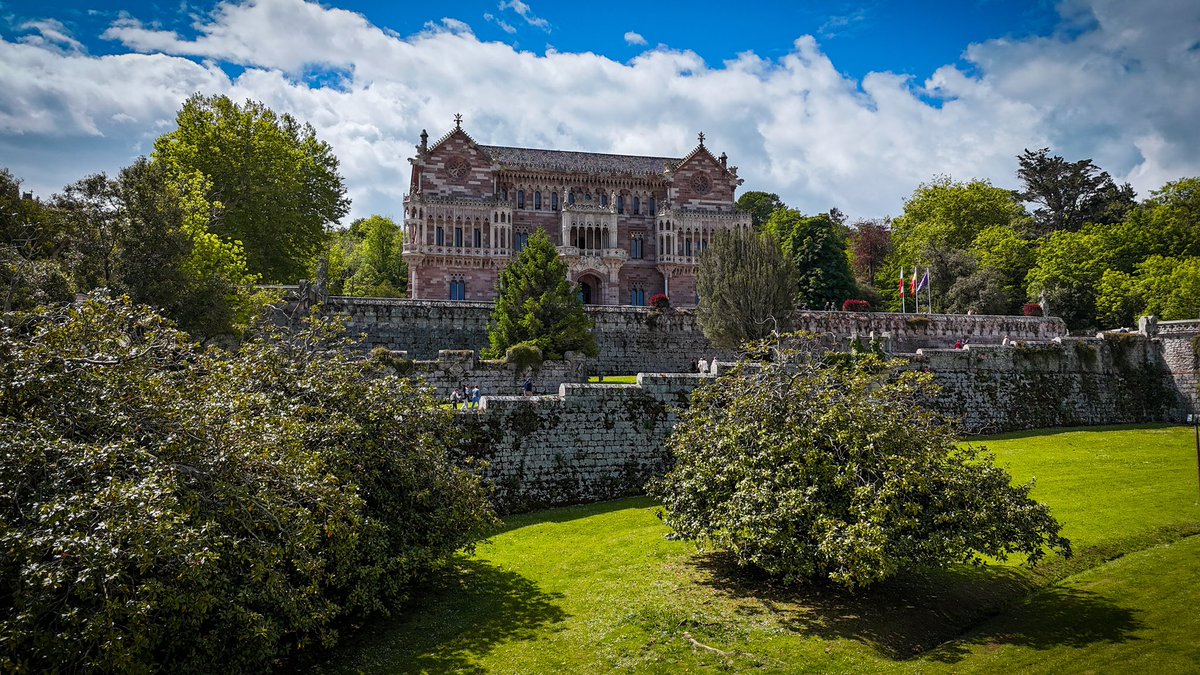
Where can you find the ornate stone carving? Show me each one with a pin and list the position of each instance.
(457, 166)
(701, 184)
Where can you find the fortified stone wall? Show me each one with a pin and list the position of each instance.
(1180, 342)
(453, 369)
(595, 442)
(1116, 379)
(590, 442)
(639, 339)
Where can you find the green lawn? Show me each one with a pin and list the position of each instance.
(601, 588)
(613, 379)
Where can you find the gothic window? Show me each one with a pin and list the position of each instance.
(637, 296)
(478, 238)
(636, 247)
(571, 197)
(637, 206)
(458, 289)
(653, 209)
(537, 200)
(522, 239)
(520, 199)
(458, 236)
(439, 236)
(604, 200)
(620, 203)
(457, 166)
(701, 184)
(553, 201)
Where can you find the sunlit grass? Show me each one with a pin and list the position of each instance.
(601, 588)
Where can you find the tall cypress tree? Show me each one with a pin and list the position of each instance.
(538, 305)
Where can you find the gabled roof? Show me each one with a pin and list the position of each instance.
(577, 162)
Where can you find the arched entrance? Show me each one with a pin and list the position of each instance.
(590, 289)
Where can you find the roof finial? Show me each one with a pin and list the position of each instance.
(702, 139)
(457, 120)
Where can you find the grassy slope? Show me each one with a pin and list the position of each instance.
(600, 588)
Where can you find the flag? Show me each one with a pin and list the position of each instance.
(924, 281)
(902, 282)
(913, 284)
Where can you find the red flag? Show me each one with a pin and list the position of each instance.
(912, 286)
(902, 282)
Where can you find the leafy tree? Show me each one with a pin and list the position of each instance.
(745, 286)
(538, 305)
(816, 248)
(870, 245)
(1068, 270)
(33, 250)
(949, 215)
(1168, 288)
(982, 291)
(760, 205)
(1070, 193)
(810, 471)
(1007, 256)
(170, 508)
(367, 259)
(277, 183)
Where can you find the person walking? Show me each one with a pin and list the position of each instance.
(474, 397)
(527, 387)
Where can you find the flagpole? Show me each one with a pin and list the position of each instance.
(929, 291)
(903, 306)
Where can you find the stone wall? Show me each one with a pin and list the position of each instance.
(638, 339)
(453, 369)
(1180, 342)
(590, 442)
(1115, 379)
(598, 441)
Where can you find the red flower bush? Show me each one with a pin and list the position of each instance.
(660, 301)
(1032, 309)
(856, 306)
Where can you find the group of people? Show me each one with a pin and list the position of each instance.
(467, 397)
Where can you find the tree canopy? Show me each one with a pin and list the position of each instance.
(1070, 194)
(760, 205)
(538, 305)
(276, 183)
(366, 259)
(812, 470)
(816, 248)
(745, 288)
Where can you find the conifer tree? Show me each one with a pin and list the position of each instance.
(538, 305)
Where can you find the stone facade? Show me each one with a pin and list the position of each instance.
(627, 226)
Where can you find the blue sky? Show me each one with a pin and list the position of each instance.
(828, 104)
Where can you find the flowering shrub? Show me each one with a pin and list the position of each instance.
(660, 301)
(856, 306)
(1032, 309)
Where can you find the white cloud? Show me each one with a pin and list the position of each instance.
(504, 25)
(634, 38)
(526, 13)
(1116, 85)
(50, 33)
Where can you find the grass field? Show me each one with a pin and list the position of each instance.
(613, 379)
(601, 588)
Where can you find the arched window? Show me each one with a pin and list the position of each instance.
(537, 200)
(637, 206)
(604, 199)
(439, 236)
(620, 203)
(553, 201)
(571, 197)
(653, 207)
(520, 199)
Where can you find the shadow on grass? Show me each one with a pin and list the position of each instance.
(564, 514)
(919, 614)
(1050, 431)
(466, 611)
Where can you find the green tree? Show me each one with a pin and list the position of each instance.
(34, 245)
(816, 248)
(811, 471)
(538, 305)
(1068, 271)
(870, 244)
(1168, 288)
(1070, 193)
(949, 215)
(1007, 256)
(373, 261)
(169, 507)
(760, 205)
(277, 183)
(745, 286)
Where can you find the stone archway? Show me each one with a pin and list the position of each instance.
(591, 289)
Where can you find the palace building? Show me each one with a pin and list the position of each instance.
(627, 226)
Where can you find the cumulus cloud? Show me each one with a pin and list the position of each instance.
(50, 33)
(634, 38)
(1114, 85)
